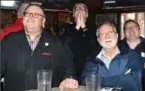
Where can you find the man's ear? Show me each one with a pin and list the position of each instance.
(18, 14)
(117, 35)
(43, 22)
(98, 40)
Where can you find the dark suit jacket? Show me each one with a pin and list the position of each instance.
(20, 63)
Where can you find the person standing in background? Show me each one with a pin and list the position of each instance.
(17, 26)
(79, 37)
(133, 41)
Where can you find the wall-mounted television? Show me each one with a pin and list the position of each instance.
(10, 4)
(122, 3)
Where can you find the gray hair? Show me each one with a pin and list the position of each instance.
(106, 23)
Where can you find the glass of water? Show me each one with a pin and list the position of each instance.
(93, 82)
(44, 80)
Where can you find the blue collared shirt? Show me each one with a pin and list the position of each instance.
(105, 58)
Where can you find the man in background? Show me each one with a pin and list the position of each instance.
(133, 41)
(17, 26)
(79, 37)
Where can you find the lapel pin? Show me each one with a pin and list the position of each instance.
(46, 44)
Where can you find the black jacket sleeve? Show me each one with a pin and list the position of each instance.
(66, 57)
(5, 54)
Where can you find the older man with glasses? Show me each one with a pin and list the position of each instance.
(25, 52)
(117, 67)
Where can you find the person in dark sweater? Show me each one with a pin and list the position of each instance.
(143, 58)
(133, 41)
(25, 52)
(116, 66)
(79, 37)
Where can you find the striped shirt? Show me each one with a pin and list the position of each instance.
(33, 43)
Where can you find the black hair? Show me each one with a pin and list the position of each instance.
(25, 1)
(36, 6)
(130, 20)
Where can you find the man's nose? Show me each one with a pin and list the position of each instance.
(80, 8)
(30, 19)
(131, 31)
(107, 35)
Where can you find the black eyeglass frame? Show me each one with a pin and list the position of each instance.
(35, 15)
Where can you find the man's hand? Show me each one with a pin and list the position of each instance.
(82, 19)
(78, 20)
(68, 83)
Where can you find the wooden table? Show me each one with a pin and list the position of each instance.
(81, 88)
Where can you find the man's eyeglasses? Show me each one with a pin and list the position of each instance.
(102, 35)
(132, 27)
(35, 15)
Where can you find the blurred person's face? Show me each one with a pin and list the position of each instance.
(107, 37)
(33, 19)
(20, 12)
(80, 9)
(132, 31)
